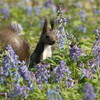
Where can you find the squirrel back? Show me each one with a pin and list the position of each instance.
(9, 35)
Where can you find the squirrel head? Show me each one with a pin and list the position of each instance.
(48, 35)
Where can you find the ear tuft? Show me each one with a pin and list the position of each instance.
(52, 23)
(45, 25)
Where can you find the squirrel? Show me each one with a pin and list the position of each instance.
(43, 49)
(9, 35)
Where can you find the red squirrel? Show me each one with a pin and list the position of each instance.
(44, 46)
(9, 35)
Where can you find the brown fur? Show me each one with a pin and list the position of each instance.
(8, 35)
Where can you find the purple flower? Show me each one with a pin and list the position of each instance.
(5, 11)
(40, 86)
(16, 76)
(82, 15)
(96, 12)
(1, 79)
(32, 74)
(96, 50)
(15, 69)
(70, 82)
(11, 64)
(25, 73)
(88, 73)
(50, 4)
(1, 71)
(37, 10)
(12, 56)
(10, 60)
(75, 52)
(89, 92)
(20, 91)
(61, 39)
(1, 3)
(61, 71)
(91, 63)
(42, 74)
(53, 95)
(29, 10)
(81, 28)
(61, 34)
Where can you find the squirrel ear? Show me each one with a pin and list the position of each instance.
(45, 25)
(52, 23)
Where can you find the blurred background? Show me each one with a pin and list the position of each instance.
(83, 16)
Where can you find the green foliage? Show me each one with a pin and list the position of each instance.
(32, 31)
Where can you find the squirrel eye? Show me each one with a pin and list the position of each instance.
(47, 36)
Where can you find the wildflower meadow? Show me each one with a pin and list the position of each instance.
(73, 71)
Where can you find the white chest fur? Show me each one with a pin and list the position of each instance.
(47, 52)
